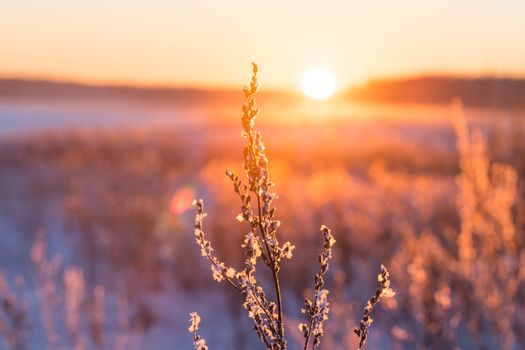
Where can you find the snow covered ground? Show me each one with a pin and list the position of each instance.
(99, 180)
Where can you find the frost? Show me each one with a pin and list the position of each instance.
(195, 320)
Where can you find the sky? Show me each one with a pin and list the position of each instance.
(198, 43)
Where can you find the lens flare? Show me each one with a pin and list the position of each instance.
(181, 200)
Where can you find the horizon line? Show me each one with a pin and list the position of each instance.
(234, 87)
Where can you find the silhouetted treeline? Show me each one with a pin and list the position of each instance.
(23, 88)
(480, 92)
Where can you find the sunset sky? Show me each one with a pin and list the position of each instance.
(211, 43)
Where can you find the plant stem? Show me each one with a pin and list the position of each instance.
(280, 326)
(309, 332)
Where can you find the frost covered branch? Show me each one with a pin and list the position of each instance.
(317, 311)
(198, 342)
(383, 291)
(261, 241)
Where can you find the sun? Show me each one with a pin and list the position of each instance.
(318, 83)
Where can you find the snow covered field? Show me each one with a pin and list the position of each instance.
(105, 186)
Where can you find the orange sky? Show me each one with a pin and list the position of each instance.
(211, 43)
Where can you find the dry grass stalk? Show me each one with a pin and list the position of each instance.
(317, 310)
(75, 286)
(487, 243)
(98, 316)
(383, 291)
(198, 342)
(261, 243)
(13, 314)
(47, 293)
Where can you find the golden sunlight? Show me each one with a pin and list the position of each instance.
(318, 83)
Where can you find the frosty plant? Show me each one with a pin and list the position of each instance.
(383, 291)
(261, 243)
